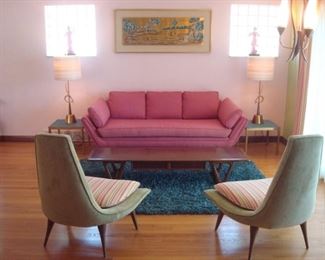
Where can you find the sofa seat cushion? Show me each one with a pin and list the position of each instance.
(163, 128)
(108, 192)
(245, 194)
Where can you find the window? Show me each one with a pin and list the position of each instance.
(70, 29)
(247, 20)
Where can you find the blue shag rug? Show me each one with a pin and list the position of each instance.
(177, 191)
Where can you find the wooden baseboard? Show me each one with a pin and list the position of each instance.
(16, 138)
(252, 139)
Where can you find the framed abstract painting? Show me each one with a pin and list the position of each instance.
(162, 30)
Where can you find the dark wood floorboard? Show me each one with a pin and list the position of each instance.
(22, 224)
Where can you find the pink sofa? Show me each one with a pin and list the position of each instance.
(164, 119)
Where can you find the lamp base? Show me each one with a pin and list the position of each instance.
(258, 119)
(70, 119)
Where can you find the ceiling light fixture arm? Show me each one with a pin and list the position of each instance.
(301, 36)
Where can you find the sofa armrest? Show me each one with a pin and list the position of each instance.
(229, 113)
(99, 113)
(91, 130)
(237, 130)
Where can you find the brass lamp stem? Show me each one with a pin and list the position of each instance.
(69, 118)
(258, 118)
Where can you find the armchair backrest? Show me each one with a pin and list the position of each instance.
(65, 196)
(292, 195)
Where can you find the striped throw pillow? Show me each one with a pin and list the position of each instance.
(108, 192)
(245, 194)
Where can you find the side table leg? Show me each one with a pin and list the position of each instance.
(246, 140)
(278, 141)
(267, 137)
(83, 139)
(83, 136)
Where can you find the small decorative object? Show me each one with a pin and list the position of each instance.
(261, 69)
(69, 42)
(162, 30)
(254, 44)
(67, 68)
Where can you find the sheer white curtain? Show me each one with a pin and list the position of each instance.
(315, 109)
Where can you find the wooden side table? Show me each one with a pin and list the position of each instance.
(60, 124)
(267, 126)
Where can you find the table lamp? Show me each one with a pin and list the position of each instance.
(261, 69)
(67, 68)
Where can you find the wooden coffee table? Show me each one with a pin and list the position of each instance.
(168, 158)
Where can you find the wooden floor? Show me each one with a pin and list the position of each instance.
(22, 224)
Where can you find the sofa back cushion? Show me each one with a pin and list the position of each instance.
(200, 105)
(99, 113)
(127, 105)
(229, 113)
(162, 105)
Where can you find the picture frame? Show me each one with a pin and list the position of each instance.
(162, 30)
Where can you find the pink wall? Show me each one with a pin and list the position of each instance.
(31, 99)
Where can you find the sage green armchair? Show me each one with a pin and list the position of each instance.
(65, 196)
(290, 198)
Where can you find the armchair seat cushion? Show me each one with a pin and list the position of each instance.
(163, 128)
(245, 194)
(108, 192)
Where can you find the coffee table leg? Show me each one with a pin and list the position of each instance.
(107, 171)
(118, 171)
(215, 171)
(228, 171)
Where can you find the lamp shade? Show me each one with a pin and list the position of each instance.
(260, 68)
(284, 13)
(311, 17)
(67, 68)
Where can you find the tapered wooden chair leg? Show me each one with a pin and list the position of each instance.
(220, 216)
(50, 225)
(102, 232)
(304, 232)
(253, 233)
(134, 219)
